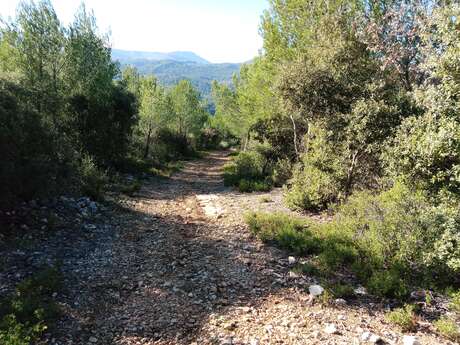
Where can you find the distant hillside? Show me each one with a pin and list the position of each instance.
(170, 68)
(131, 55)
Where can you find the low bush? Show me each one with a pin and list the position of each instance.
(289, 233)
(31, 310)
(454, 304)
(171, 146)
(247, 171)
(92, 179)
(249, 186)
(388, 283)
(131, 188)
(307, 268)
(342, 290)
(282, 172)
(448, 328)
(209, 138)
(403, 317)
(392, 240)
(318, 178)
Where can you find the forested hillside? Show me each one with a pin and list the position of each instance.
(345, 155)
(170, 68)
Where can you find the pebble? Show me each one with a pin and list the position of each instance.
(254, 341)
(410, 340)
(315, 290)
(340, 301)
(330, 329)
(92, 339)
(360, 290)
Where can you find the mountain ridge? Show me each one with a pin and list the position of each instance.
(180, 56)
(170, 68)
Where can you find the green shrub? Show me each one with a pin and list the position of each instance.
(342, 290)
(403, 317)
(28, 166)
(209, 138)
(224, 145)
(454, 304)
(29, 312)
(318, 180)
(335, 252)
(282, 172)
(388, 283)
(248, 186)
(390, 240)
(289, 233)
(92, 179)
(247, 172)
(447, 328)
(426, 152)
(397, 230)
(307, 268)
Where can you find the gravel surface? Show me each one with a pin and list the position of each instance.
(175, 264)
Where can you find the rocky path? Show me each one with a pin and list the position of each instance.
(175, 264)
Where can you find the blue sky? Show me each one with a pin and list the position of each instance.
(218, 30)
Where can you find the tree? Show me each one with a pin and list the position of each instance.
(155, 111)
(38, 39)
(189, 114)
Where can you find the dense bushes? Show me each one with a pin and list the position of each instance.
(248, 172)
(319, 177)
(60, 122)
(391, 240)
(28, 165)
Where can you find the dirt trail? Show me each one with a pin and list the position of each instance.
(183, 269)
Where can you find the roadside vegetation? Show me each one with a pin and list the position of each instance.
(30, 310)
(358, 112)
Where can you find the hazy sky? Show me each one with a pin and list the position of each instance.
(218, 30)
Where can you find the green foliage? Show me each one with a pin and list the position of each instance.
(282, 172)
(455, 302)
(448, 328)
(189, 114)
(403, 317)
(247, 171)
(388, 283)
(342, 290)
(426, 152)
(249, 186)
(317, 179)
(391, 240)
(27, 148)
(288, 232)
(132, 188)
(93, 179)
(59, 103)
(31, 310)
(398, 236)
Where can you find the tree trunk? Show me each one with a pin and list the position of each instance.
(294, 128)
(350, 173)
(246, 142)
(147, 143)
